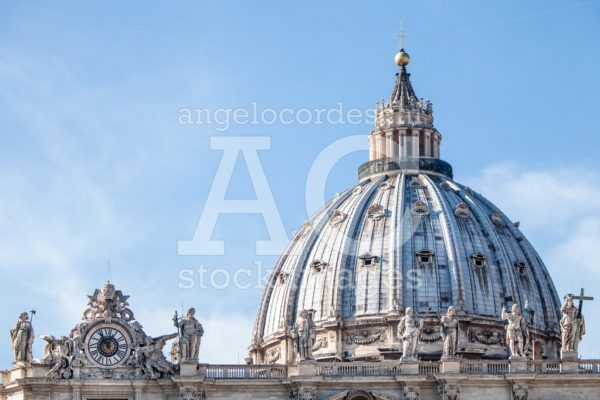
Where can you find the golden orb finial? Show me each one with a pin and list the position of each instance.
(402, 58)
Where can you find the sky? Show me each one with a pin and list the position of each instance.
(99, 165)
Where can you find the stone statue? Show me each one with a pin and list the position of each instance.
(175, 352)
(572, 326)
(516, 331)
(22, 340)
(304, 335)
(190, 335)
(152, 358)
(58, 353)
(449, 331)
(409, 332)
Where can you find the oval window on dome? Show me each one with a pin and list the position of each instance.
(305, 229)
(445, 185)
(283, 276)
(318, 265)
(336, 218)
(497, 219)
(357, 190)
(521, 267)
(414, 182)
(385, 186)
(376, 212)
(479, 261)
(420, 208)
(462, 211)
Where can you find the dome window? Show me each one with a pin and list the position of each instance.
(305, 229)
(385, 186)
(336, 218)
(462, 211)
(414, 182)
(368, 259)
(497, 219)
(357, 190)
(521, 267)
(376, 212)
(479, 261)
(318, 265)
(425, 258)
(445, 185)
(420, 208)
(283, 277)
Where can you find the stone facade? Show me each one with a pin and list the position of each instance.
(321, 381)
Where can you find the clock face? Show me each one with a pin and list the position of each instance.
(108, 345)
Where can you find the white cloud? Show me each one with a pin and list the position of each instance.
(547, 199)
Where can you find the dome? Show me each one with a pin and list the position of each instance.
(407, 235)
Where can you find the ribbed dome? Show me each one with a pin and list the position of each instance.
(406, 236)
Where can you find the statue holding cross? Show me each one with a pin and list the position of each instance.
(572, 324)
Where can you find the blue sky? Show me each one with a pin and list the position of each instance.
(94, 163)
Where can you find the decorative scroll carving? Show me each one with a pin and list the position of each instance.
(449, 391)
(192, 393)
(412, 392)
(486, 337)
(322, 341)
(108, 303)
(520, 391)
(359, 395)
(272, 355)
(365, 337)
(429, 335)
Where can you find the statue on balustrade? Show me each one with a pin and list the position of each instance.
(409, 331)
(517, 334)
(22, 339)
(190, 335)
(304, 335)
(449, 331)
(572, 325)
